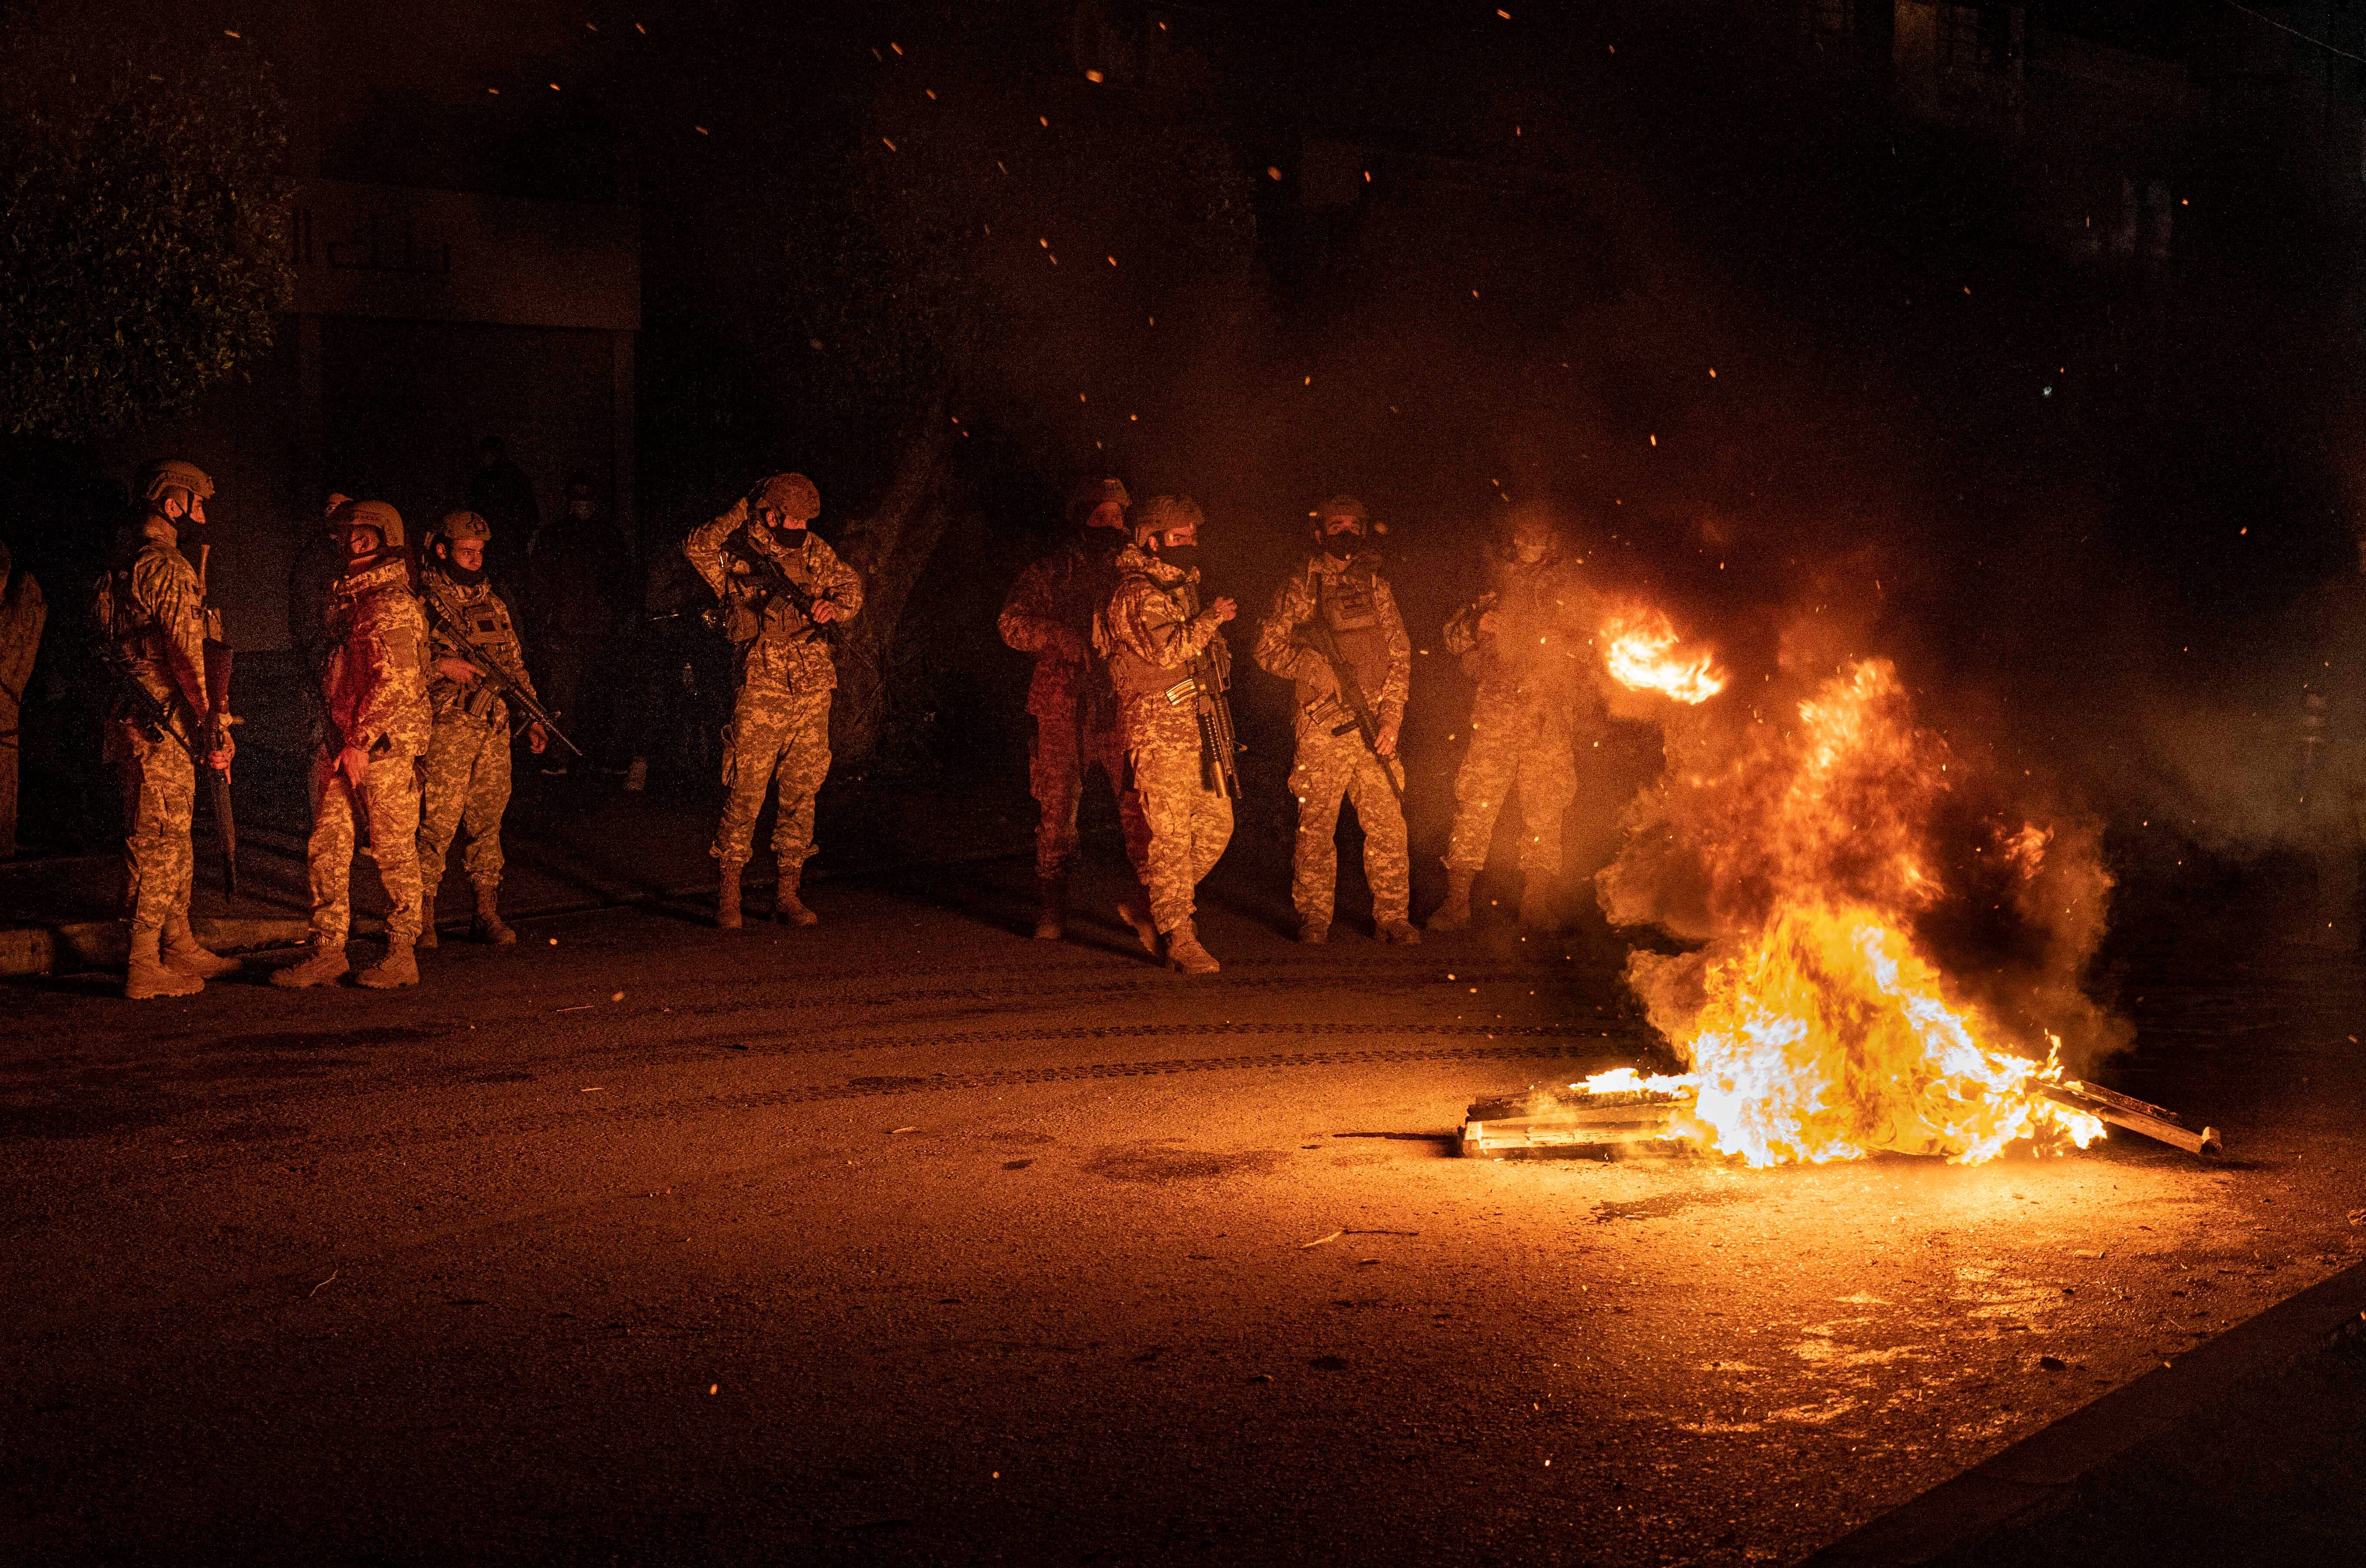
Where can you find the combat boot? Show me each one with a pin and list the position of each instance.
(427, 919)
(398, 968)
(1313, 933)
(787, 909)
(148, 975)
(727, 899)
(1455, 913)
(1537, 903)
(487, 927)
(325, 965)
(183, 951)
(1131, 912)
(1051, 922)
(1184, 951)
(1399, 931)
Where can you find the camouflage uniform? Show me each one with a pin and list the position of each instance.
(1150, 634)
(23, 613)
(780, 724)
(467, 779)
(1050, 615)
(1353, 600)
(375, 687)
(150, 606)
(1537, 691)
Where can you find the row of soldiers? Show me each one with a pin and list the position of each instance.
(1123, 647)
(416, 677)
(419, 676)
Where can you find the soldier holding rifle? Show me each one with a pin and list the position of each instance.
(475, 671)
(1171, 668)
(153, 621)
(1336, 634)
(373, 686)
(785, 594)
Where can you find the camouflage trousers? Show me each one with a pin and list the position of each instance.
(1331, 768)
(1066, 743)
(160, 796)
(468, 786)
(389, 801)
(1516, 743)
(775, 736)
(1190, 824)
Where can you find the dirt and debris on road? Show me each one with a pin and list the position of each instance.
(909, 1237)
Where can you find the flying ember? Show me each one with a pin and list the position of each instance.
(1644, 654)
(1816, 1022)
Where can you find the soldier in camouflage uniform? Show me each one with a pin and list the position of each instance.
(1340, 584)
(1050, 615)
(1151, 633)
(1527, 644)
(151, 609)
(780, 724)
(469, 757)
(375, 688)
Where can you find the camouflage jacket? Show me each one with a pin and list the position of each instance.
(22, 614)
(1543, 644)
(1050, 616)
(1354, 599)
(150, 606)
(374, 681)
(1152, 629)
(778, 648)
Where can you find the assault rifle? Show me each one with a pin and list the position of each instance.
(217, 665)
(776, 580)
(1316, 635)
(508, 682)
(1212, 677)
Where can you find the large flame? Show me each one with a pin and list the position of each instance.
(1815, 1028)
(1641, 648)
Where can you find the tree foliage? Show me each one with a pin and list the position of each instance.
(142, 223)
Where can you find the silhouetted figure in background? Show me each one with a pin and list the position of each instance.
(677, 677)
(23, 613)
(573, 582)
(503, 496)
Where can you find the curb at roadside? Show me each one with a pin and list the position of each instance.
(2132, 1438)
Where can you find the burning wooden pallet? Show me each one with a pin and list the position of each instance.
(1624, 1115)
(1572, 1121)
(2137, 1116)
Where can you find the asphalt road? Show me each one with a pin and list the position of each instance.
(909, 1239)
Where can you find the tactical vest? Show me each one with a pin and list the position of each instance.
(483, 619)
(1135, 676)
(1349, 604)
(135, 636)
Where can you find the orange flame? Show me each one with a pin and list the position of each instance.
(1642, 654)
(1814, 1027)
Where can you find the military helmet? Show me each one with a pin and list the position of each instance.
(1319, 521)
(1091, 495)
(375, 514)
(1162, 513)
(1531, 524)
(459, 526)
(173, 474)
(793, 494)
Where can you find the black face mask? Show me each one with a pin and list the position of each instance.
(1183, 556)
(790, 537)
(457, 573)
